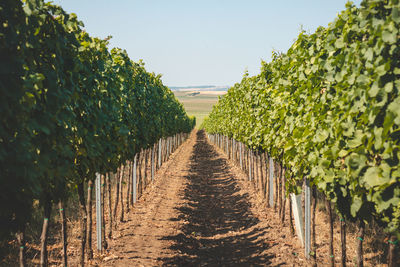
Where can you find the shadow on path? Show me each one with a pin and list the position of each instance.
(218, 227)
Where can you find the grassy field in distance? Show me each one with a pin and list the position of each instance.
(198, 105)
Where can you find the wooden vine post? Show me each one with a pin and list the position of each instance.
(121, 184)
(110, 216)
(134, 179)
(64, 236)
(103, 209)
(21, 243)
(83, 221)
(313, 236)
(116, 200)
(271, 182)
(284, 198)
(330, 219)
(90, 220)
(128, 188)
(360, 240)
(392, 255)
(99, 213)
(307, 219)
(45, 233)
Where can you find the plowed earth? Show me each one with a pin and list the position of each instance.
(202, 211)
(199, 212)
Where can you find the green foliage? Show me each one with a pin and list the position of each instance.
(16, 154)
(329, 109)
(69, 107)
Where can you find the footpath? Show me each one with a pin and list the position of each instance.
(201, 211)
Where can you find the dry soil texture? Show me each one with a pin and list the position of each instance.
(200, 213)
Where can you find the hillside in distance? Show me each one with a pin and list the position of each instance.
(199, 100)
(199, 88)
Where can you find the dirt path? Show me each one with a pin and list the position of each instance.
(199, 213)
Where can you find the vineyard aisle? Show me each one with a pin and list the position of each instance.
(199, 212)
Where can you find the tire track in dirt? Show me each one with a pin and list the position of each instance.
(200, 212)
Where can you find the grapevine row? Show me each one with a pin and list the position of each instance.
(70, 108)
(329, 109)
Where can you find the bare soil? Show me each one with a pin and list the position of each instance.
(200, 212)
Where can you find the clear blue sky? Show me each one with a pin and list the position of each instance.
(204, 42)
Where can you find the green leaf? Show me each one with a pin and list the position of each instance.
(378, 138)
(396, 14)
(381, 70)
(373, 177)
(389, 37)
(353, 143)
(363, 79)
(355, 205)
(343, 153)
(394, 107)
(339, 43)
(339, 77)
(321, 136)
(374, 89)
(382, 205)
(356, 161)
(388, 87)
(369, 55)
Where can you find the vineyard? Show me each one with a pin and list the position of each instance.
(84, 127)
(327, 111)
(71, 109)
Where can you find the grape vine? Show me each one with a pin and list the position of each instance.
(70, 107)
(329, 109)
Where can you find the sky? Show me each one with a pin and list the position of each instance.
(203, 42)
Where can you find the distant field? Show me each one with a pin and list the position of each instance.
(198, 105)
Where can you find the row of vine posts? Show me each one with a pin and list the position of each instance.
(135, 175)
(130, 182)
(328, 109)
(268, 177)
